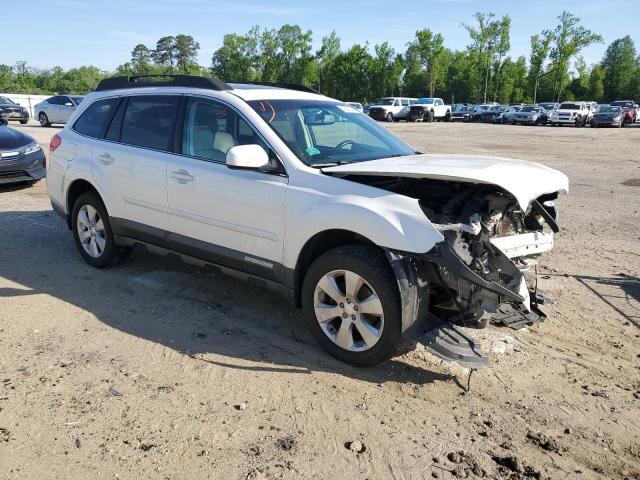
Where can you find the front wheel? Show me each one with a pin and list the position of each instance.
(389, 117)
(92, 232)
(23, 122)
(352, 306)
(43, 119)
(447, 117)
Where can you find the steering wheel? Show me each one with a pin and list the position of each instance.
(343, 144)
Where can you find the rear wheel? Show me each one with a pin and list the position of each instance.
(447, 117)
(352, 306)
(43, 119)
(92, 232)
(23, 122)
(429, 116)
(389, 117)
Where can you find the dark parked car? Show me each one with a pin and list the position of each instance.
(608, 116)
(21, 158)
(629, 108)
(462, 111)
(493, 114)
(13, 111)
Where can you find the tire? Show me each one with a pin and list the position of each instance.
(578, 122)
(389, 117)
(383, 332)
(101, 249)
(23, 122)
(43, 119)
(447, 117)
(429, 116)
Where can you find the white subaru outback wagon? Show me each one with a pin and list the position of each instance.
(308, 196)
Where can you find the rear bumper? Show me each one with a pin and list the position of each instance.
(26, 168)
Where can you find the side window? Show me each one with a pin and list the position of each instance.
(113, 132)
(148, 121)
(65, 100)
(405, 102)
(92, 120)
(396, 103)
(438, 102)
(57, 100)
(211, 129)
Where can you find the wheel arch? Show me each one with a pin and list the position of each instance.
(77, 188)
(319, 244)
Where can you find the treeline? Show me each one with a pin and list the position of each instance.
(483, 71)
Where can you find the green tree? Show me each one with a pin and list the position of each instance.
(540, 47)
(164, 54)
(185, 51)
(484, 39)
(231, 62)
(326, 57)
(428, 49)
(569, 39)
(140, 59)
(503, 46)
(619, 65)
(596, 84)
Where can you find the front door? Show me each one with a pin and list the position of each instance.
(234, 218)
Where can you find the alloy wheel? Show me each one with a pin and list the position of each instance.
(348, 310)
(91, 231)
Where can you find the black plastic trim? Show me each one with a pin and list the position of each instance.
(136, 81)
(208, 252)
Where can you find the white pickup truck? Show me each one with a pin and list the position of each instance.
(429, 109)
(391, 109)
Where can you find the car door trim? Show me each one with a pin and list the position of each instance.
(143, 204)
(127, 231)
(254, 232)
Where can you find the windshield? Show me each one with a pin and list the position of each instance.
(609, 110)
(460, 108)
(385, 101)
(547, 106)
(569, 106)
(495, 108)
(622, 103)
(530, 109)
(7, 101)
(323, 133)
(76, 100)
(425, 101)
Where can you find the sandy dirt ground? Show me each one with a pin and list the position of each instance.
(155, 369)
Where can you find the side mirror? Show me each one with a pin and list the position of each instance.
(68, 104)
(251, 157)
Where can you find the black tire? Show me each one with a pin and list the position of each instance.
(447, 117)
(111, 252)
(429, 116)
(578, 122)
(371, 265)
(23, 122)
(389, 117)
(43, 119)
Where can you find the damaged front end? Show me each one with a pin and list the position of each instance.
(484, 269)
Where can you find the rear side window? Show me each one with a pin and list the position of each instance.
(113, 132)
(55, 101)
(93, 119)
(149, 120)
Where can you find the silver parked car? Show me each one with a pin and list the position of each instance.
(56, 109)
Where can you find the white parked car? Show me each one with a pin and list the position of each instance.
(572, 113)
(307, 196)
(429, 109)
(56, 109)
(391, 109)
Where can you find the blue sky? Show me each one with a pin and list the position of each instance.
(103, 32)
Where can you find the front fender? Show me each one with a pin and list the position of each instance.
(388, 220)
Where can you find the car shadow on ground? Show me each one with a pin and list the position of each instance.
(199, 312)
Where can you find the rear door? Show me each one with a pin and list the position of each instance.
(54, 109)
(230, 217)
(67, 108)
(131, 164)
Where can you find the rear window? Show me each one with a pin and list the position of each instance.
(93, 119)
(148, 121)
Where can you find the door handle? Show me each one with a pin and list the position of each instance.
(182, 176)
(106, 158)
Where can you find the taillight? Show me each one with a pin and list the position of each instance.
(55, 143)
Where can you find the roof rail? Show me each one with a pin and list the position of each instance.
(289, 86)
(117, 83)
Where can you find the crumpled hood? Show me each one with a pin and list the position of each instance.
(525, 180)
